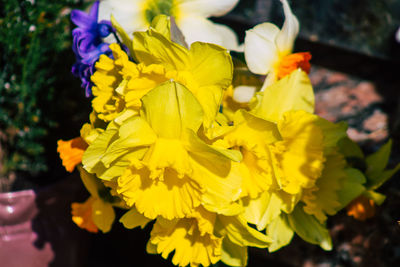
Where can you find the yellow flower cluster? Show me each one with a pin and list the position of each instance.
(168, 142)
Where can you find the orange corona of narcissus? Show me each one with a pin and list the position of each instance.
(71, 152)
(291, 62)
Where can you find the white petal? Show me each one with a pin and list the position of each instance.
(200, 29)
(228, 37)
(267, 30)
(128, 13)
(260, 50)
(290, 29)
(243, 94)
(206, 8)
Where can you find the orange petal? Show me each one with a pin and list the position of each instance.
(82, 215)
(361, 208)
(71, 152)
(292, 62)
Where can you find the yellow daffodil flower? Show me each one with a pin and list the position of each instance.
(205, 69)
(268, 49)
(190, 16)
(204, 238)
(161, 165)
(291, 170)
(192, 238)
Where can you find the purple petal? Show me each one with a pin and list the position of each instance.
(94, 11)
(92, 56)
(83, 20)
(85, 43)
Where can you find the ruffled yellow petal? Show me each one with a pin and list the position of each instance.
(173, 197)
(140, 80)
(191, 245)
(298, 158)
(71, 152)
(220, 190)
(167, 153)
(107, 103)
(82, 215)
(251, 136)
(322, 199)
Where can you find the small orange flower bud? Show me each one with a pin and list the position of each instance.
(361, 208)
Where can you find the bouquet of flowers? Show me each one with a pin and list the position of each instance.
(217, 154)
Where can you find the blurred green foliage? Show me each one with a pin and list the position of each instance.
(33, 35)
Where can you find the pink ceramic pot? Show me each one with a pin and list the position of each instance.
(36, 228)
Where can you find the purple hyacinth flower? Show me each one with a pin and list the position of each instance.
(88, 44)
(88, 22)
(84, 71)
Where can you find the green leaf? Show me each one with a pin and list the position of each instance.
(333, 133)
(350, 149)
(384, 176)
(351, 187)
(309, 228)
(377, 162)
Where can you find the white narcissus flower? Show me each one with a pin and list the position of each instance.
(190, 15)
(268, 49)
